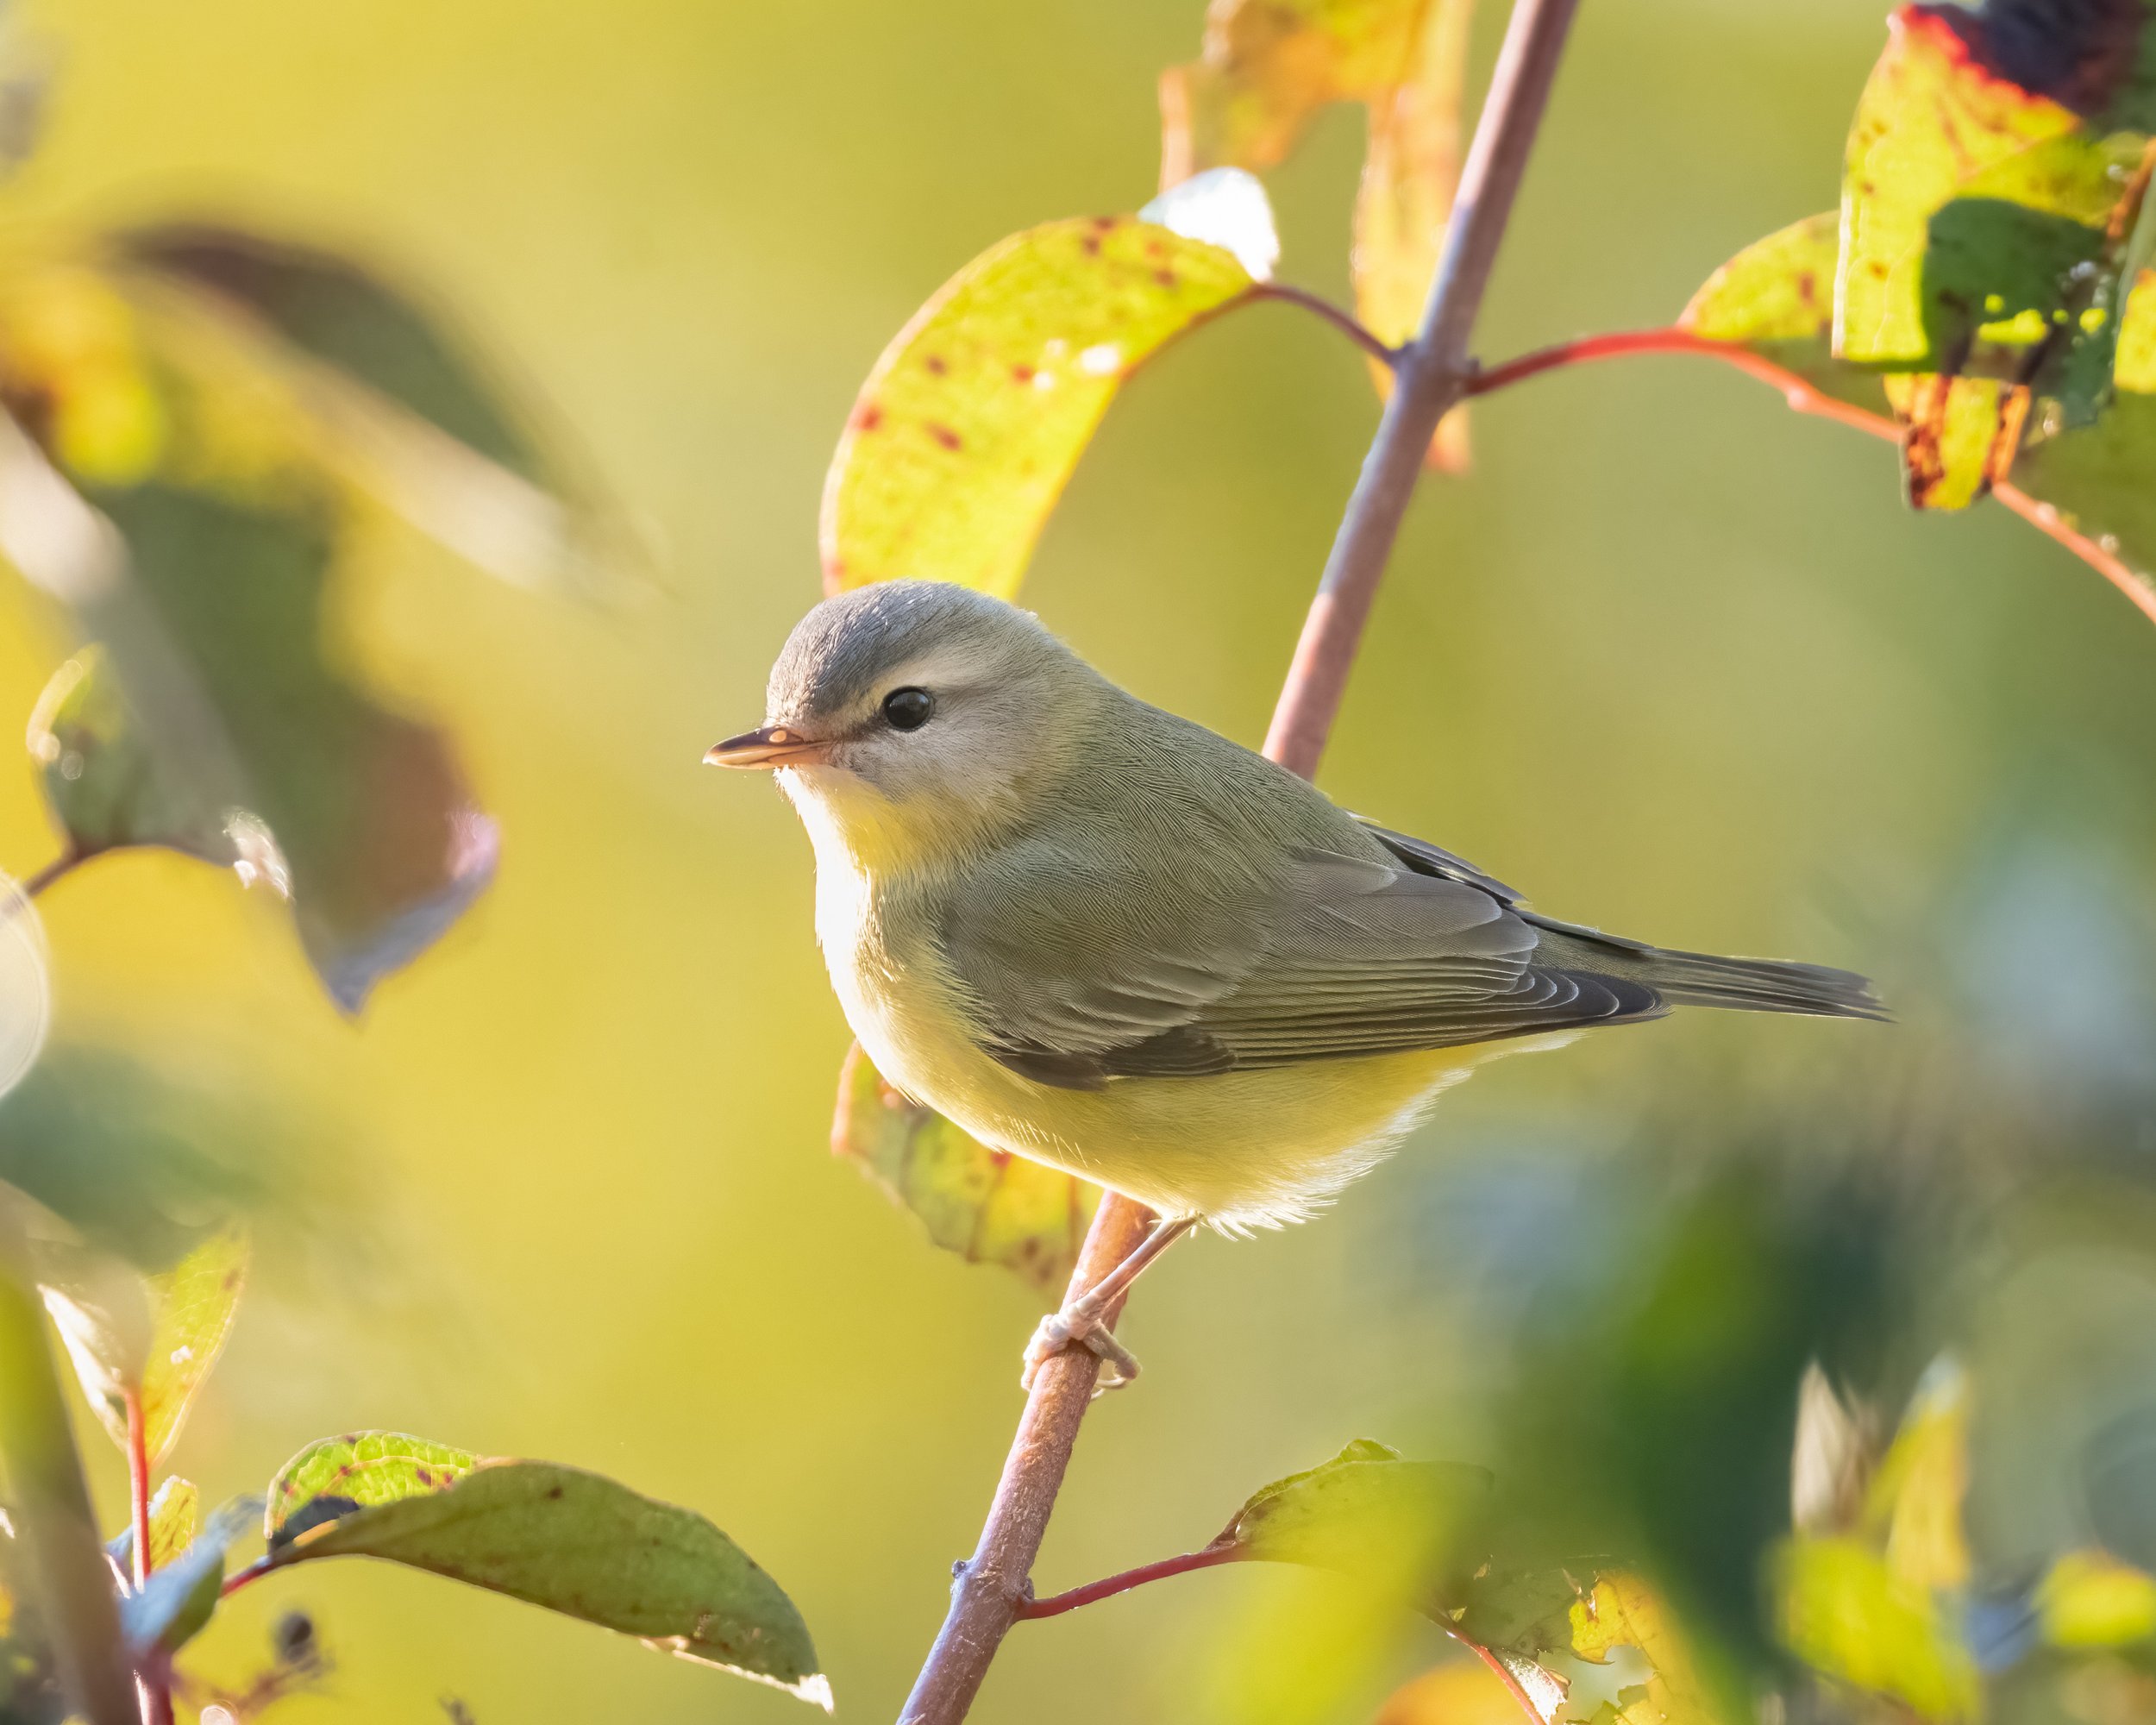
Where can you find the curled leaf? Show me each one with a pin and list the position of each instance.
(561, 1538)
(973, 420)
(988, 1206)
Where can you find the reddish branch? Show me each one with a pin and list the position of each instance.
(990, 1590)
(1806, 397)
(1056, 1603)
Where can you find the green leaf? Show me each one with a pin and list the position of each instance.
(1777, 298)
(100, 780)
(175, 1520)
(334, 1477)
(1397, 1524)
(575, 1543)
(153, 1340)
(1621, 1611)
(196, 1304)
(180, 1598)
(974, 419)
(1268, 67)
(988, 1206)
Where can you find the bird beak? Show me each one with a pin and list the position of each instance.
(773, 746)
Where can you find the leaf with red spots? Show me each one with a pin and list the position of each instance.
(334, 1477)
(974, 419)
(196, 1303)
(559, 1537)
(2097, 477)
(988, 1206)
(1988, 228)
(1265, 71)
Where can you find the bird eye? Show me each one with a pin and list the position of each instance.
(908, 709)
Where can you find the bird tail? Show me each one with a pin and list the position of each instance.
(1702, 979)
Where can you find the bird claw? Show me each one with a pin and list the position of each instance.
(1074, 1327)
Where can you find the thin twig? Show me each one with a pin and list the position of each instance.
(1108, 1586)
(1806, 397)
(1433, 374)
(991, 1588)
(1337, 316)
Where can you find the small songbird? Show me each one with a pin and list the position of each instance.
(1108, 939)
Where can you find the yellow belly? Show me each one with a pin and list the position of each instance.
(1241, 1149)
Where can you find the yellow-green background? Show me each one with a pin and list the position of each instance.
(1673, 660)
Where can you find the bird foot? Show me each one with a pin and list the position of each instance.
(1078, 1325)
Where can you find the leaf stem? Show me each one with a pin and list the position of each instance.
(1433, 374)
(242, 1578)
(1805, 397)
(139, 1486)
(1211, 1556)
(1337, 316)
(990, 1589)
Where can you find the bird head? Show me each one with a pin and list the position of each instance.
(915, 716)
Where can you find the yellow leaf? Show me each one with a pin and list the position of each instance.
(969, 426)
(2090, 1599)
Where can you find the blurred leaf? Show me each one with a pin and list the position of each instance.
(102, 1309)
(389, 379)
(374, 834)
(330, 309)
(100, 780)
(1988, 231)
(1367, 1512)
(1846, 1614)
(988, 1206)
(581, 1545)
(196, 1302)
(974, 416)
(133, 1161)
(1269, 66)
(2088, 1599)
(186, 509)
(335, 1477)
(1464, 1692)
(1831, 1461)
(1917, 1498)
(180, 1598)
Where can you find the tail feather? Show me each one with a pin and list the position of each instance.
(1702, 979)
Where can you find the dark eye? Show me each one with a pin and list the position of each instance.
(908, 709)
